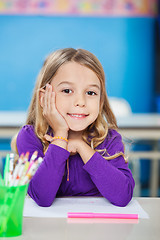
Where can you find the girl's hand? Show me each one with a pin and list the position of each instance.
(74, 145)
(50, 112)
(81, 147)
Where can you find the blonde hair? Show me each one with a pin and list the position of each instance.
(96, 133)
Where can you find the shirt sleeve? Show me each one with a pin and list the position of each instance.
(45, 183)
(113, 178)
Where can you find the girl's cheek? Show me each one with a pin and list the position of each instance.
(60, 101)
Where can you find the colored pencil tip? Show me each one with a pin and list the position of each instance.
(22, 155)
(27, 155)
(35, 153)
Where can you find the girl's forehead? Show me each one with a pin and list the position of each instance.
(74, 72)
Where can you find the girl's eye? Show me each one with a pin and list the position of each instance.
(91, 93)
(67, 91)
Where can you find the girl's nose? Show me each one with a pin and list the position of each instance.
(79, 100)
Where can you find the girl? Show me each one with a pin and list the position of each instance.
(71, 125)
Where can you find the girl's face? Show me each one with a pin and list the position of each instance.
(77, 90)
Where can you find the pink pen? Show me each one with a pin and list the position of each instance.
(33, 157)
(101, 215)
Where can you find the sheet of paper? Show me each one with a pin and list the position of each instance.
(61, 206)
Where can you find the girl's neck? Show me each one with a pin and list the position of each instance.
(75, 135)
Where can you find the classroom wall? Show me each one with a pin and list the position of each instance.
(125, 47)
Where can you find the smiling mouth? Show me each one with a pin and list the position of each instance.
(78, 116)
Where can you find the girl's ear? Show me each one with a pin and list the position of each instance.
(41, 97)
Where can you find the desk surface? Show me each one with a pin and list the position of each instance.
(53, 228)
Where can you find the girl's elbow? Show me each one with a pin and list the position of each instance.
(44, 204)
(123, 202)
(122, 199)
(125, 197)
(41, 201)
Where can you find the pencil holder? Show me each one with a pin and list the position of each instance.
(11, 210)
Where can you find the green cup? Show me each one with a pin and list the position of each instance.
(11, 210)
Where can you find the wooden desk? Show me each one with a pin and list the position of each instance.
(60, 229)
(135, 127)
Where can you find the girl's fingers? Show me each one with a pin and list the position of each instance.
(53, 100)
(49, 93)
(48, 137)
(47, 97)
(45, 101)
(50, 111)
(49, 102)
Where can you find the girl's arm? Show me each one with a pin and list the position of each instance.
(112, 178)
(46, 181)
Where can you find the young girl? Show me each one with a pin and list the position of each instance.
(71, 125)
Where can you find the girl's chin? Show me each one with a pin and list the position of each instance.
(76, 129)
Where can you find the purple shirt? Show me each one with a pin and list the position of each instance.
(111, 179)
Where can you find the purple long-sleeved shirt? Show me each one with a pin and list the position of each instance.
(111, 179)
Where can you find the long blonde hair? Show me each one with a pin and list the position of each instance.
(96, 133)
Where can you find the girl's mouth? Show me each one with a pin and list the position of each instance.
(77, 116)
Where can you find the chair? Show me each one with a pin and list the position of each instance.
(120, 107)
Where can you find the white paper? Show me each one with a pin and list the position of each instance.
(61, 206)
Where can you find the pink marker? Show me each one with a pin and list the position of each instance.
(33, 157)
(101, 215)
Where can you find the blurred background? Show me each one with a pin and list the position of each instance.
(123, 34)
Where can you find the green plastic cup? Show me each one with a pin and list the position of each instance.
(11, 210)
